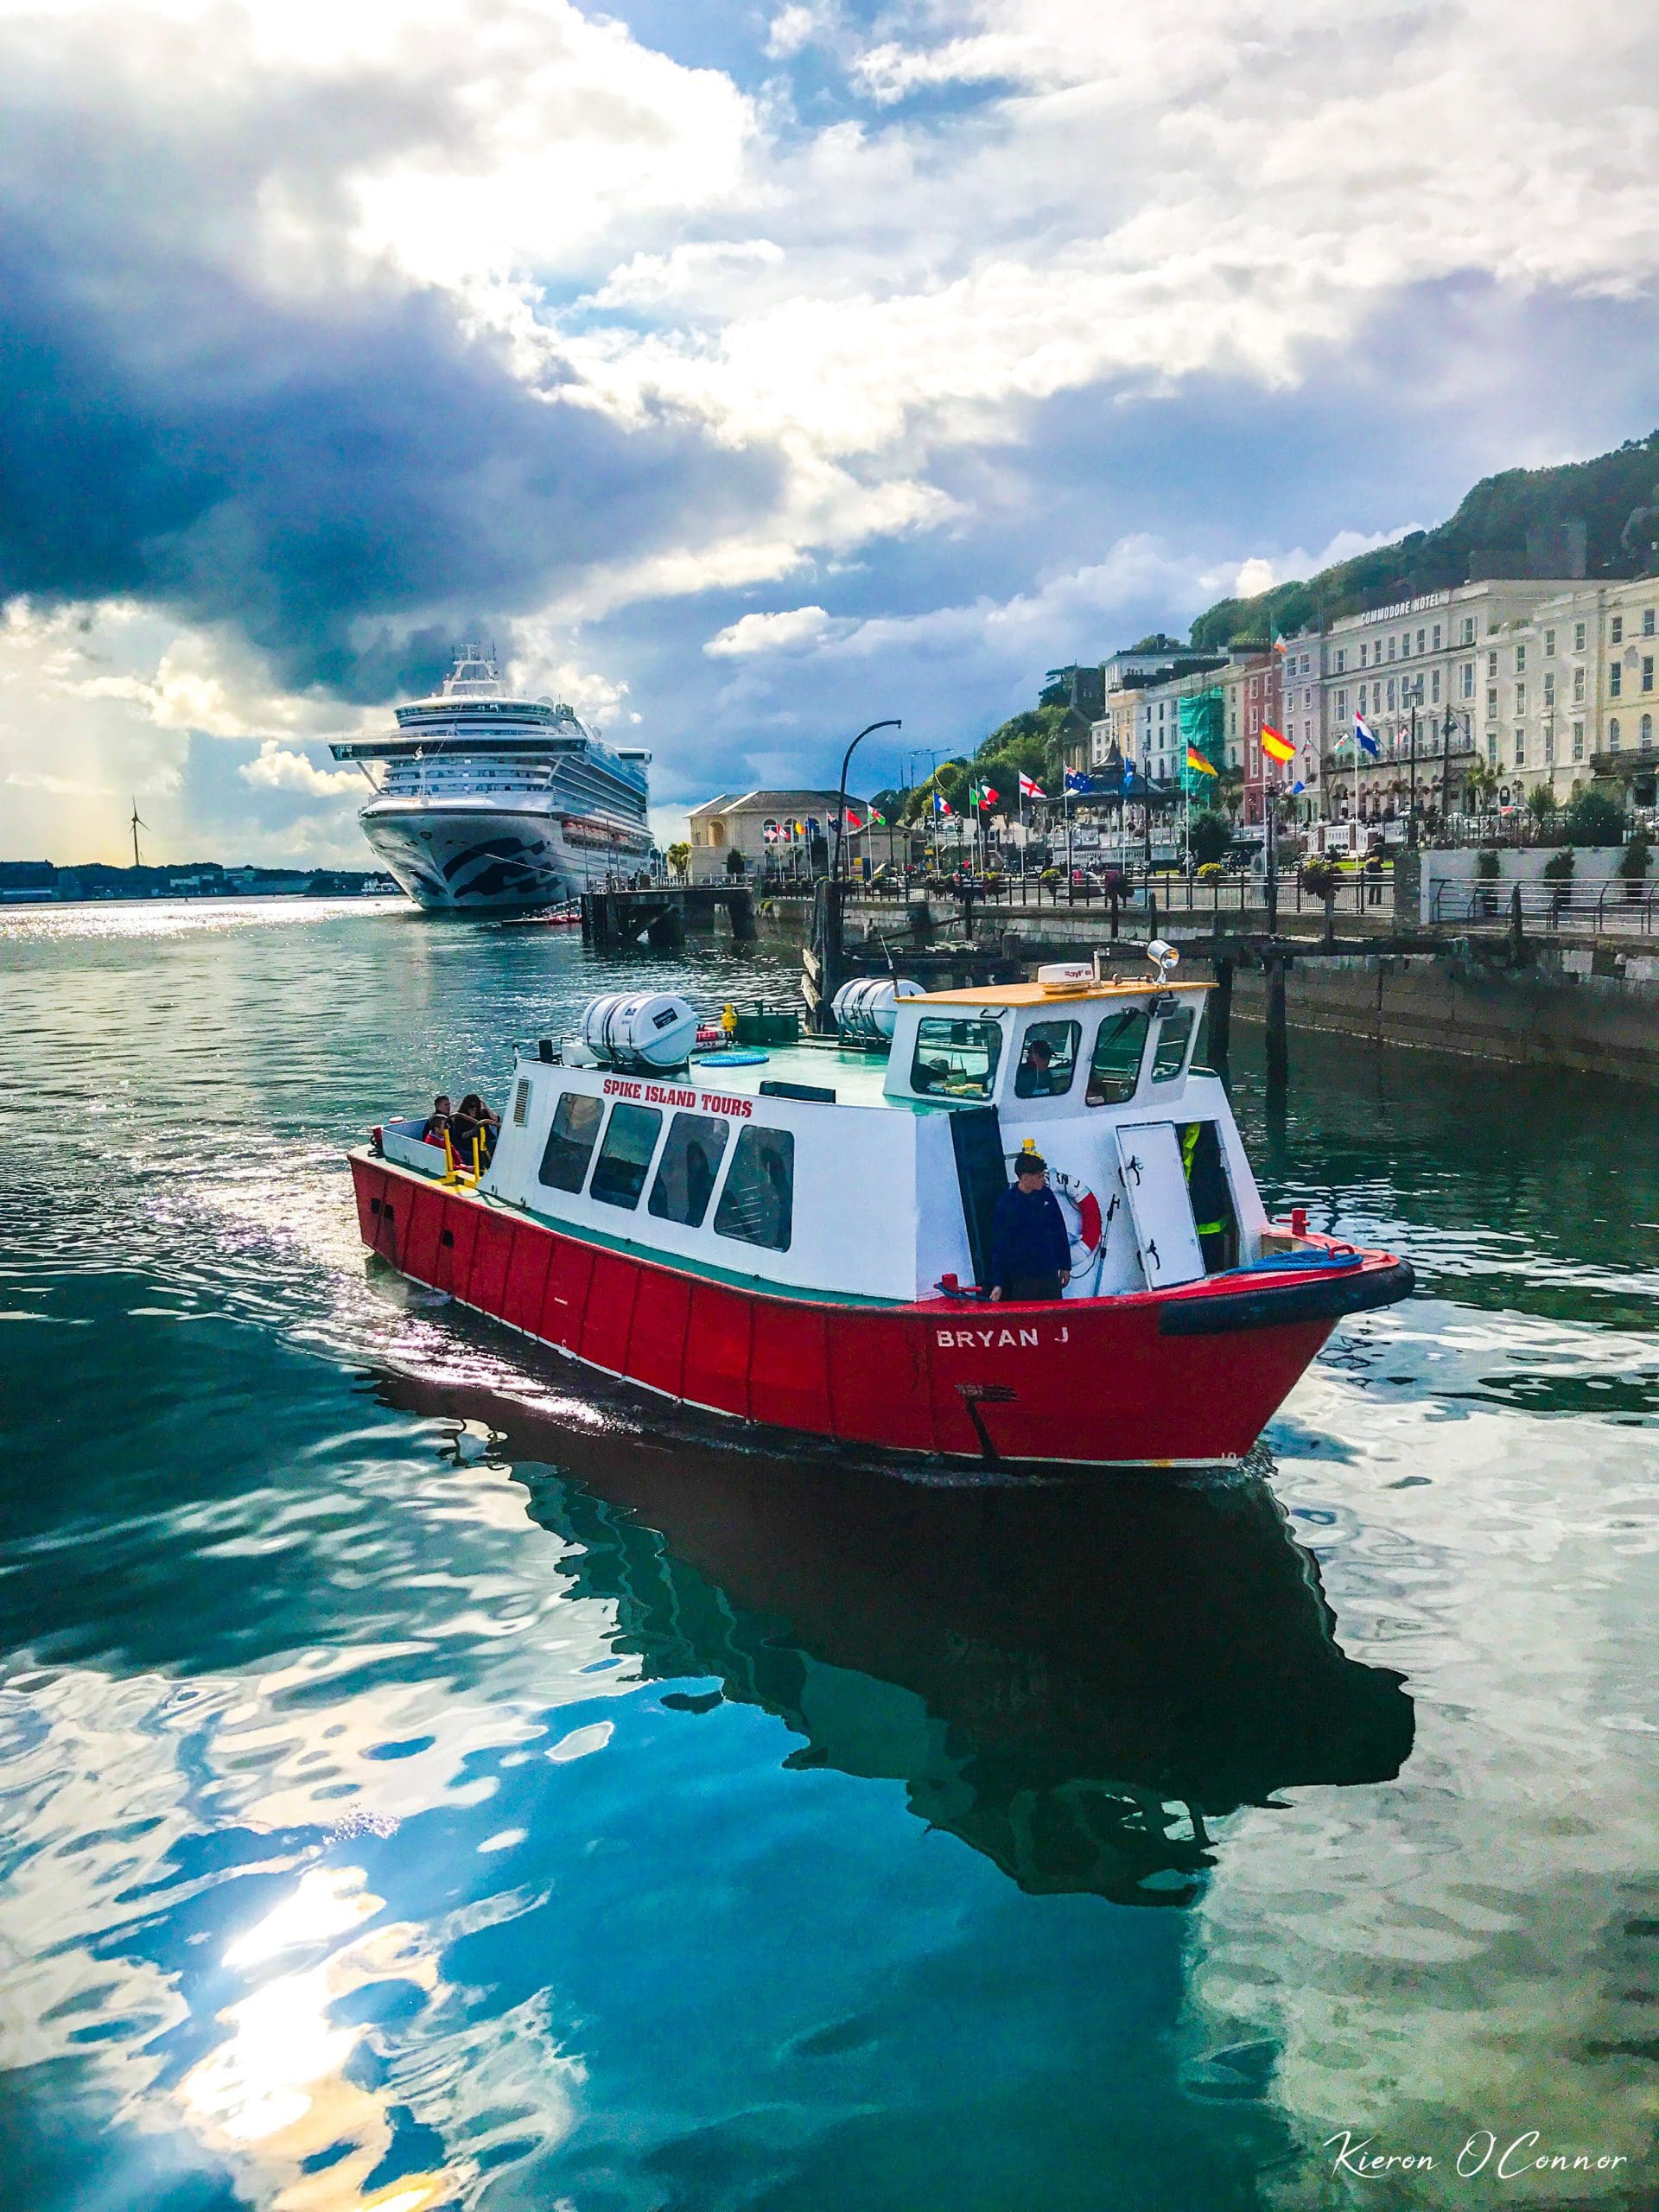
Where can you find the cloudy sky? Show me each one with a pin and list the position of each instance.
(749, 372)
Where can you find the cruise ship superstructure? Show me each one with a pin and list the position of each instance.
(482, 800)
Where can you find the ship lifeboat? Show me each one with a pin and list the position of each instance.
(805, 1240)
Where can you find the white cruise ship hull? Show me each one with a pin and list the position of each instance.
(476, 857)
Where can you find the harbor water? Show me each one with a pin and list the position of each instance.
(430, 1778)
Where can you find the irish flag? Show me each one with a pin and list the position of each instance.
(1198, 762)
(1275, 745)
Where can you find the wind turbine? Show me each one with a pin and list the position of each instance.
(137, 826)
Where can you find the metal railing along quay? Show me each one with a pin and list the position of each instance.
(1175, 892)
(1607, 905)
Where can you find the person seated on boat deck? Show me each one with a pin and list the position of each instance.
(437, 1122)
(1030, 1252)
(475, 1120)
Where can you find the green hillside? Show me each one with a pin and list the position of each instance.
(1616, 496)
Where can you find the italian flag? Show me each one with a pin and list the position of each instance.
(982, 795)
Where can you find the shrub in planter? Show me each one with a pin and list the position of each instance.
(1633, 865)
(1595, 819)
(1486, 867)
(1558, 868)
(1320, 877)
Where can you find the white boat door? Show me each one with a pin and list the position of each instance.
(1149, 1159)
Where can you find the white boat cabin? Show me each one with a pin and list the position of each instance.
(832, 1173)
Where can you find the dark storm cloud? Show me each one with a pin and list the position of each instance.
(325, 477)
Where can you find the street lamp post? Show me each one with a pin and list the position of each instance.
(841, 794)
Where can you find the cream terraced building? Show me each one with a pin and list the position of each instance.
(1530, 673)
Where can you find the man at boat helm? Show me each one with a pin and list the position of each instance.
(1030, 1252)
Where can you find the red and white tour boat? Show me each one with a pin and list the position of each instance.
(795, 1238)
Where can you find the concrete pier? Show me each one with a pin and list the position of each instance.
(662, 914)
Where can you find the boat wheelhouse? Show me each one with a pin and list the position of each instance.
(801, 1238)
(485, 801)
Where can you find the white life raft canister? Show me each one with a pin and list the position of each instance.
(640, 1029)
(867, 1009)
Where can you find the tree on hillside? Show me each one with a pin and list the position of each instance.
(1615, 496)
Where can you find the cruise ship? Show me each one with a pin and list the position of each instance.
(482, 801)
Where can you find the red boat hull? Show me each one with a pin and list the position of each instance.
(1124, 1381)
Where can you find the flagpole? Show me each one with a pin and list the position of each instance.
(1353, 739)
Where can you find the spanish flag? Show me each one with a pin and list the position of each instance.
(1199, 763)
(1275, 745)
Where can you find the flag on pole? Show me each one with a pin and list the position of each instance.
(1364, 739)
(878, 819)
(1199, 764)
(1077, 782)
(1297, 789)
(1029, 790)
(1275, 745)
(982, 796)
(853, 821)
(941, 804)
(1279, 644)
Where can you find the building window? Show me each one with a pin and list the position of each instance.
(1491, 698)
(1468, 629)
(1520, 698)
(1647, 621)
(1305, 663)
(1341, 659)
(1491, 748)
(1578, 636)
(1420, 640)
(1615, 680)
(1549, 689)
(1578, 687)
(1647, 672)
(1392, 642)
(1618, 629)
(1520, 748)
(1405, 647)
(1468, 679)
(1437, 637)
(1550, 644)
(1612, 734)
(1491, 664)
(1519, 658)
(1390, 694)
(1577, 740)
(1434, 687)
(1364, 654)
(757, 1205)
(1647, 733)
(1342, 706)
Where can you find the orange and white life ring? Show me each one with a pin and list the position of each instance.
(1085, 1224)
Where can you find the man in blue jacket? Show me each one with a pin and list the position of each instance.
(1030, 1252)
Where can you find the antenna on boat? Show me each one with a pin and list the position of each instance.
(137, 826)
(1163, 957)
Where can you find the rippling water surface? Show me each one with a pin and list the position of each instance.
(427, 1780)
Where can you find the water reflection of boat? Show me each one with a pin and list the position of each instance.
(1074, 1681)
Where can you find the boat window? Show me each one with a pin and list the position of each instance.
(620, 1171)
(758, 1202)
(521, 1102)
(686, 1173)
(956, 1060)
(571, 1140)
(1174, 1035)
(1049, 1060)
(1119, 1043)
